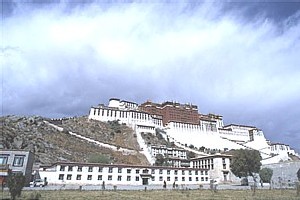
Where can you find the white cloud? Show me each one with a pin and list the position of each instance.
(60, 60)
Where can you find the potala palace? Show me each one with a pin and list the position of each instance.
(188, 131)
(183, 124)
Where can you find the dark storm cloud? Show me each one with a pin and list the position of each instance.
(240, 60)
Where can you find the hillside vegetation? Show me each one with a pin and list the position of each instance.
(50, 145)
(111, 132)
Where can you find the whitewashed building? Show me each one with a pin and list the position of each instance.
(218, 165)
(126, 113)
(119, 174)
(170, 152)
(278, 148)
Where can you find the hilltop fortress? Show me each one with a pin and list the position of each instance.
(184, 125)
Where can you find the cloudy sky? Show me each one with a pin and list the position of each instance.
(237, 59)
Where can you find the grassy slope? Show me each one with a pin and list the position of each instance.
(50, 145)
(119, 135)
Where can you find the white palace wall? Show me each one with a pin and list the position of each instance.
(198, 136)
(242, 136)
(130, 117)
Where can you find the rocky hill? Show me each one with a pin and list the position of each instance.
(49, 144)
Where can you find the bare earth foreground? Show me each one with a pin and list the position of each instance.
(160, 194)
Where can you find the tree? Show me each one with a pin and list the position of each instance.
(265, 175)
(160, 160)
(190, 154)
(245, 162)
(202, 148)
(298, 174)
(15, 183)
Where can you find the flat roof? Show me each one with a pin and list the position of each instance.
(240, 125)
(119, 165)
(211, 156)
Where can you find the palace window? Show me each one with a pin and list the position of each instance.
(223, 161)
(119, 170)
(70, 168)
(100, 169)
(137, 178)
(110, 170)
(160, 171)
(69, 176)
(168, 172)
(99, 177)
(61, 177)
(176, 178)
(160, 178)
(128, 171)
(110, 177)
(89, 177)
(128, 178)
(90, 169)
(137, 171)
(168, 178)
(119, 178)
(79, 169)
(62, 168)
(18, 161)
(3, 159)
(78, 177)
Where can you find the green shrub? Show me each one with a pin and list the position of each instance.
(15, 183)
(99, 158)
(266, 174)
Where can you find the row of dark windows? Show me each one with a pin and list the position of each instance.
(137, 171)
(128, 178)
(207, 161)
(122, 114)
